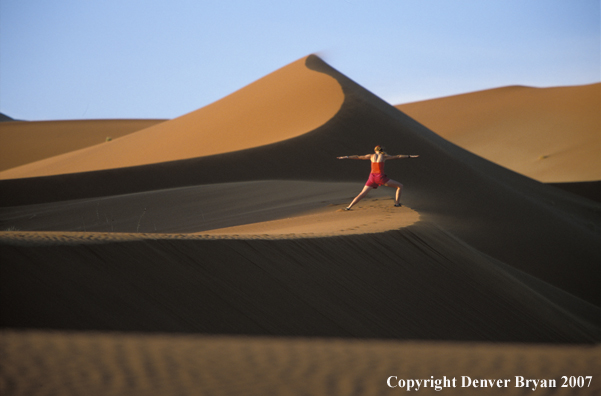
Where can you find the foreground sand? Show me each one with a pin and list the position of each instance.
(68, 363)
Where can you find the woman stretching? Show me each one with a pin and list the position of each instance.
(377, 177)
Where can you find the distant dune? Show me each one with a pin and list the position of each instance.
(549, 134)
(226, 224)
(5, 118)
(25, 142)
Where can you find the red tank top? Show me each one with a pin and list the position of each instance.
(377, 167)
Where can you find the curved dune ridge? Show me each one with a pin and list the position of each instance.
(23, 142)
(289, 102)
(269, 208)
(375, 217)
(549, 134)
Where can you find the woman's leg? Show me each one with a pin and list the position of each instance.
(399, 189)
(361, 195)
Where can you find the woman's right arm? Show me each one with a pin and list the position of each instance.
(359, 157)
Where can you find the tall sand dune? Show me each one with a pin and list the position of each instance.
(535, 228)
(25, 142)
(549, 134)
(289, 102)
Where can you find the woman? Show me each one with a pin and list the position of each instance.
(377, 177)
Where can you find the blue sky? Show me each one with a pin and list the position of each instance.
(84, 59)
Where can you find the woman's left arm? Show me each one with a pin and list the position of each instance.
(401, 156)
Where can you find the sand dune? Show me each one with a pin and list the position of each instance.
(25, 142)
(241, 235)
(549, 134)
(482, 204)
(328, 287)
(289, 102)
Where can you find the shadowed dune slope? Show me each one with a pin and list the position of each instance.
(588, 190)
(547, 233)
(24, 142)
(423, 284)
(286, 103)
(549, 134)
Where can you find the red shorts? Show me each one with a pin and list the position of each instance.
(376, 180)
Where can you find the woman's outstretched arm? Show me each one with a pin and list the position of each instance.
(389, 157)
(360, 157)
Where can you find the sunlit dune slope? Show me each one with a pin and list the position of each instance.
(24, 142)
(549, 134)
(284, 104)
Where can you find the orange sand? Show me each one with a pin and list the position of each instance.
(373, 216)
(549, 134)
(24, 142)
(140, 364)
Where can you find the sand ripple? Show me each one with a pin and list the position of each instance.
(53, 363)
